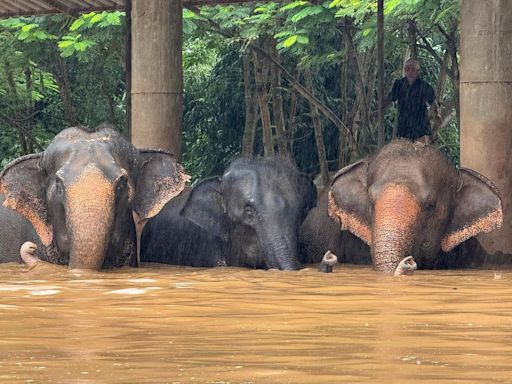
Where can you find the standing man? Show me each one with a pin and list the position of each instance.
(412, 94)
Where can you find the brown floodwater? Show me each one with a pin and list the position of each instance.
(164, 324)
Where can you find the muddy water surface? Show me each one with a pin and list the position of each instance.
(182, 325)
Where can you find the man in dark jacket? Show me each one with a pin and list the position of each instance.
(412, 94)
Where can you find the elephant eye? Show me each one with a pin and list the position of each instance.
(430, 205)
(249, 213)
(121, 185)
(59, 186)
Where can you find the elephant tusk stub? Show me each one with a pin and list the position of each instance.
(406, 267)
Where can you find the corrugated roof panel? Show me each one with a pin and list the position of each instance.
(10, 8)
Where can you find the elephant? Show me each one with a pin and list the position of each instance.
(170, 238)
(248, 217)
(84, 191)
(14, 231)
(320, 233)
(409, 199)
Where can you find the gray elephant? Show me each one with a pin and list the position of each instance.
(410, 200)
(170, 238)
(249, 217)
(80, 192)
(14, 231)
(320, 233)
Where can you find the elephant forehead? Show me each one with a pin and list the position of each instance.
(397, 202)
(78, 164)
(90, 181)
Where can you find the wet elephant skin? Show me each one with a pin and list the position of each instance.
(80, 192)
(248, 217)
(409, 199)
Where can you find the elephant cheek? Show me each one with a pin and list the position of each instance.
(396, 215)
(89, 217)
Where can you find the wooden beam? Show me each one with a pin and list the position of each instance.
(62, 8)
(11, 8)
(203, 3)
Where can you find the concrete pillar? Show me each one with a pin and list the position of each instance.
(157, 75)
(486, 103)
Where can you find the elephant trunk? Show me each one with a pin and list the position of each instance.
(89, 218)
(281, 251)
(396, 215)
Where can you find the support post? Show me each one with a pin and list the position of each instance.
(157, 74)
(486, 94)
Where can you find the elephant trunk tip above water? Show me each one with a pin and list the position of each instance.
(28, 254)
(80, 192)
(328, 262)
(409, 199)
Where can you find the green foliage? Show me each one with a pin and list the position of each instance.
(91, 51)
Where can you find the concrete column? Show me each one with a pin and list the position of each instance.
(486, 103)
(157, 75)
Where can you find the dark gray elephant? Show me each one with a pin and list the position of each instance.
(320, 233)
(170, 238)
(80, 192)
(249, 217)
(410, 200)
(14, 231)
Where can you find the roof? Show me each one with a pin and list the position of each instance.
(11, 8)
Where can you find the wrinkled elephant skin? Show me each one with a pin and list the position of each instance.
(80, 192)
(249, 217)
(320, 233)
(410, 200)
(14, 231)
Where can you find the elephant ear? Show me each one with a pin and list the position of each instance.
(205, 207)
(307, 191)
(160, 178)
(23, 183)
(349, 202)
(477, 209)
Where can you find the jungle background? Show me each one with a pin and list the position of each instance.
(297, 79)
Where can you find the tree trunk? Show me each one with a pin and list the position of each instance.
(292, 126)
(29, 111)
(260, 73)
(380, 71)
(360, 106)
(344, 107)
(277, 103)
(411, 40)
(319, 139)
(17, 120)
(61, 76)
(250, 109)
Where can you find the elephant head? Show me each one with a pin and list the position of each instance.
(409, 199)
(256, 207)
(80, 192)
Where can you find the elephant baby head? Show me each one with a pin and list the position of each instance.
(256, 206)
(409, 199)
(80, 192)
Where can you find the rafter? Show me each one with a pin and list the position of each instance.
(62, 8)
(10, 8)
